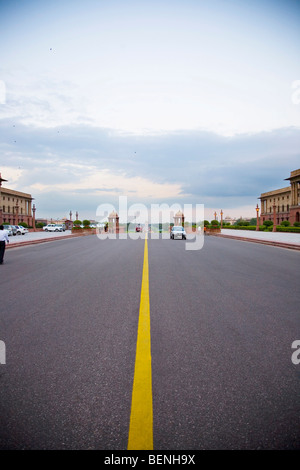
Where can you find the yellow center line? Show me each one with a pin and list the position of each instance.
(141, 417)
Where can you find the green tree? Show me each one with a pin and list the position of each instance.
(77, 222)
(243, 223)
(285, 223)
(86, 223)
(268, 223)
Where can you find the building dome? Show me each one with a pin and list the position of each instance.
(179, 214)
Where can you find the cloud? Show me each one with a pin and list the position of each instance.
(82, 166)
(104, 182)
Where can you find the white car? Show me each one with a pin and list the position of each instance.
(21, 230)
(178, 232)
(53, 228)
(62, 227)
(8, 229)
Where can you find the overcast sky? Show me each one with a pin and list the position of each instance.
(175, 101)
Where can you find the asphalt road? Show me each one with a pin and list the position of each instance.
(222, 323)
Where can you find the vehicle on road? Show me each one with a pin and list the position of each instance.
(53, 228)
(62, 226)
(138, 228)
(178, 232)
(21, 230)
(8, 229)
(12, 229)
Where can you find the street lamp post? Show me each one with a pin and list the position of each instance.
(221, 218)
(1, 213)
(33, 217)
(257, 219)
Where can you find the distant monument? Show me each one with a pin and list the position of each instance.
(113, 223)
(179, 218)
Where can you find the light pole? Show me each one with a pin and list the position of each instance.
(221, 218)
(33, 218)
(1, 213)
(257, 220)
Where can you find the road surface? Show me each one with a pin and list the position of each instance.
(223, 320)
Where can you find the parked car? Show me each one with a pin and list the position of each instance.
(21, 230)
(12, 229)
(53, 228)
(178, 232)
(62, 226)
(138, 228)
(8, 229)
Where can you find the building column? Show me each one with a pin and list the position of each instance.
(17, 214)
(274, 218)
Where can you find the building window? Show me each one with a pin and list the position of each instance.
(3, 198)
(3, 208)
(8, 208)
(8, 198)
(282, 208)
(288, 207)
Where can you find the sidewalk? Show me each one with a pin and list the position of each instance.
(32, 238)
(282, 239)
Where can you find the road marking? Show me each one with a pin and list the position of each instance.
(141, 417)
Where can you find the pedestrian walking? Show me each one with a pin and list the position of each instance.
(3, 239)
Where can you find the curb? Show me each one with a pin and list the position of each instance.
(291, 246)
(44, 240)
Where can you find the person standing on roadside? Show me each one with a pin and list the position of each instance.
(3, 239)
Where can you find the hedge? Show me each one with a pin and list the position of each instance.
(263, 228)
(280, 228)
(241, 227)
(84, 228)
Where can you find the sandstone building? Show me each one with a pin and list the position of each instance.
(15, 206)
(284, 201)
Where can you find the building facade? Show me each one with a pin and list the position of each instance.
(282, 204)
(15, 206)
